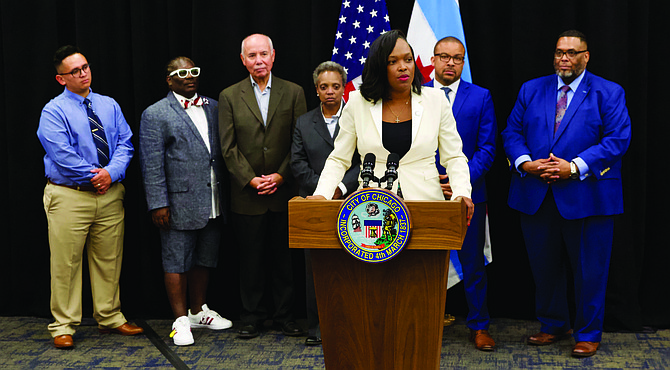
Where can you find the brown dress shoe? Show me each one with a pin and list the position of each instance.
(63, 342)
(543, 339)
(125, 329)
(482, 340)
(585, 349)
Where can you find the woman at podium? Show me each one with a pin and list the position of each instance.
(392, 113)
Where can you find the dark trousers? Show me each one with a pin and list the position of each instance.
(554, 245)
(473, 261)
(264, 259)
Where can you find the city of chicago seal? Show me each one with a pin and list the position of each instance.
(373, 225)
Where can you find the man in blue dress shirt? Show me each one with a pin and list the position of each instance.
(88, 148)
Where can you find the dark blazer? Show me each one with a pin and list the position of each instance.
(476, 124)
(596, 128)
(312, 144)
(176, 164)
(252, 149)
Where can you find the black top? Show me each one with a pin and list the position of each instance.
(397, 137)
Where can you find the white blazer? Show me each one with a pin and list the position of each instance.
(433, 128)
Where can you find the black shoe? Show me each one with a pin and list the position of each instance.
(313, 341)
(248, 331)
(291, 329)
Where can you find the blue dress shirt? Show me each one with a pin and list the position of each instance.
(65, 134)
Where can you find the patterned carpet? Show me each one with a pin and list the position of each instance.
(26, 344)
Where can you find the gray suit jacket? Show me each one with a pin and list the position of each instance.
(176, 164)
(311, 146)
(252, 149)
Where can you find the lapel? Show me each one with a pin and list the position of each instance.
(321, 128)
(249, 98)
(417, 113)
(577, 99)
(181, 112)
(276, 93)
(550, 94)
(461, 97)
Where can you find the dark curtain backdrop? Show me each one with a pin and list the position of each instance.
(128, 42)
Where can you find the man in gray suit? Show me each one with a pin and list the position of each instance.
(256, 120)
(185, 179)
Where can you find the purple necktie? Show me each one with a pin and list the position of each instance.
(561, 106)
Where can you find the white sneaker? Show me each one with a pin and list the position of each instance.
(181, 332)
(208, 319)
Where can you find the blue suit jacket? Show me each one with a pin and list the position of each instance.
(476, 124)
(596, 128)
(176, 164)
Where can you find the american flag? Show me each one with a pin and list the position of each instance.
(360, 23)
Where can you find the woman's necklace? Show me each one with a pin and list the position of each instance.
(397, 116)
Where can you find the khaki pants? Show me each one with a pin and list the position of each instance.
(77, 219)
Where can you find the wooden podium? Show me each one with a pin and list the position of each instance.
(387, 315)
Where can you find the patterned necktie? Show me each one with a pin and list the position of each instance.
(446, 93)
(98, 133)
(561, 106)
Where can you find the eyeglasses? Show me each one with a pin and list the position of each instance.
(184, 72)
(458, 59)
(77, 71)
(558, 54)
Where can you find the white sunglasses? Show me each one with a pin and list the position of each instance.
(183, 72)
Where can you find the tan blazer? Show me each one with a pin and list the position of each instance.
(433, 128)
(252, 149)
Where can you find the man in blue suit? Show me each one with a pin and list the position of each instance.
(476, 122)
(185, 179)
(564, 139)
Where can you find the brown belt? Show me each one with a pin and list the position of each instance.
(76, 187)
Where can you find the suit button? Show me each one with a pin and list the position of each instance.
(265, 148)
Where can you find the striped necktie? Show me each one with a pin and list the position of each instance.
(98, 133)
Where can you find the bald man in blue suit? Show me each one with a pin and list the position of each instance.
(476, 123)
(565, 147)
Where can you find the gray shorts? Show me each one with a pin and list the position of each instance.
(183, 249)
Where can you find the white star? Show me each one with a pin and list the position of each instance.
(338, 35)
(366, 44)
(352, 40)
(362, 60)
(343, 19)
(383, 32)
(386, 17)
(370, 29)
(345, 4)
(348, 55)
(373, 13)
(334, 51)
(346, 70)
(357, 24)
(360, 8)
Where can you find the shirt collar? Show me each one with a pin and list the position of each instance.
(453, 87)
(77, 97)
(573, 85)
(182, 99)
(336, 115)
(255, 85)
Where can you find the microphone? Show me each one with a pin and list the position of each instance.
(367, 173)
(391, 170)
